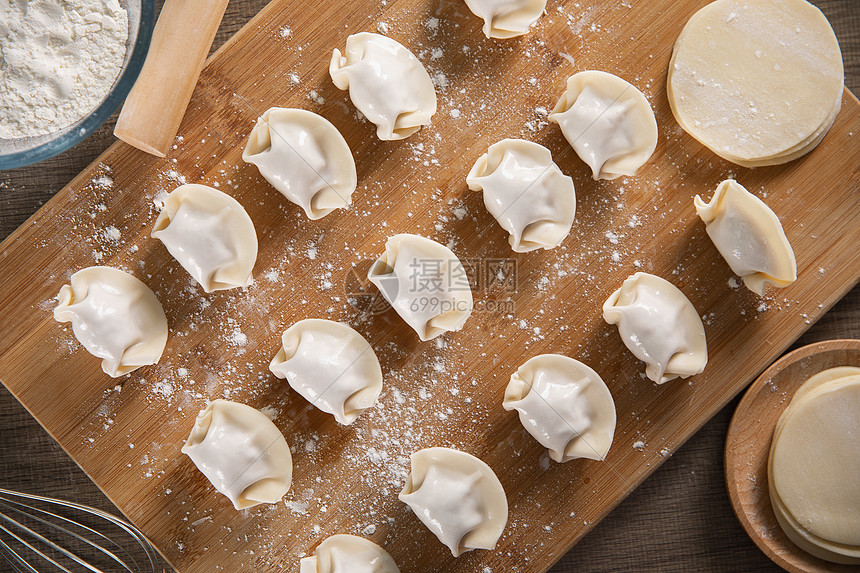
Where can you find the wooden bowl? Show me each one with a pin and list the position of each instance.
(748, 445)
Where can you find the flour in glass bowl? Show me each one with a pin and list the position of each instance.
(58, 61)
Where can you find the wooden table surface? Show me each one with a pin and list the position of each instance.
(680, 519)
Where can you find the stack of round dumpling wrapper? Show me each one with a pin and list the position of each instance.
(758, 82)
(814, 466)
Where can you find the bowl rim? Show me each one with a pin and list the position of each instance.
(89, 124)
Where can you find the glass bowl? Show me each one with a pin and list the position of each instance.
(26, 150)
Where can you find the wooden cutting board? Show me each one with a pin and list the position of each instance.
(126, 433)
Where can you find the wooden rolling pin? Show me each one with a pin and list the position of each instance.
(181, 40)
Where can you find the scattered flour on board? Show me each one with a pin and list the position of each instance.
(111, 234)
(104, 181)
(237, 337)
(163, 388)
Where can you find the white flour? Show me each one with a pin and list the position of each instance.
(58, 60)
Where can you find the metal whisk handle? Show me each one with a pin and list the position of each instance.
(36, 538)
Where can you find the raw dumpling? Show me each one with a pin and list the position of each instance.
(660, 326)
(608, 122)
(458, 497)
(507, 18)
(331, 365)
(564, 405)
(242, 452)
(386, 82)
(425, 283)
(305, 158)
(526, 192)
(116, 318)
(210, 234)
(749, 236)
(349, 554)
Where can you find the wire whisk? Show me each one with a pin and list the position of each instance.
(39, 535)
